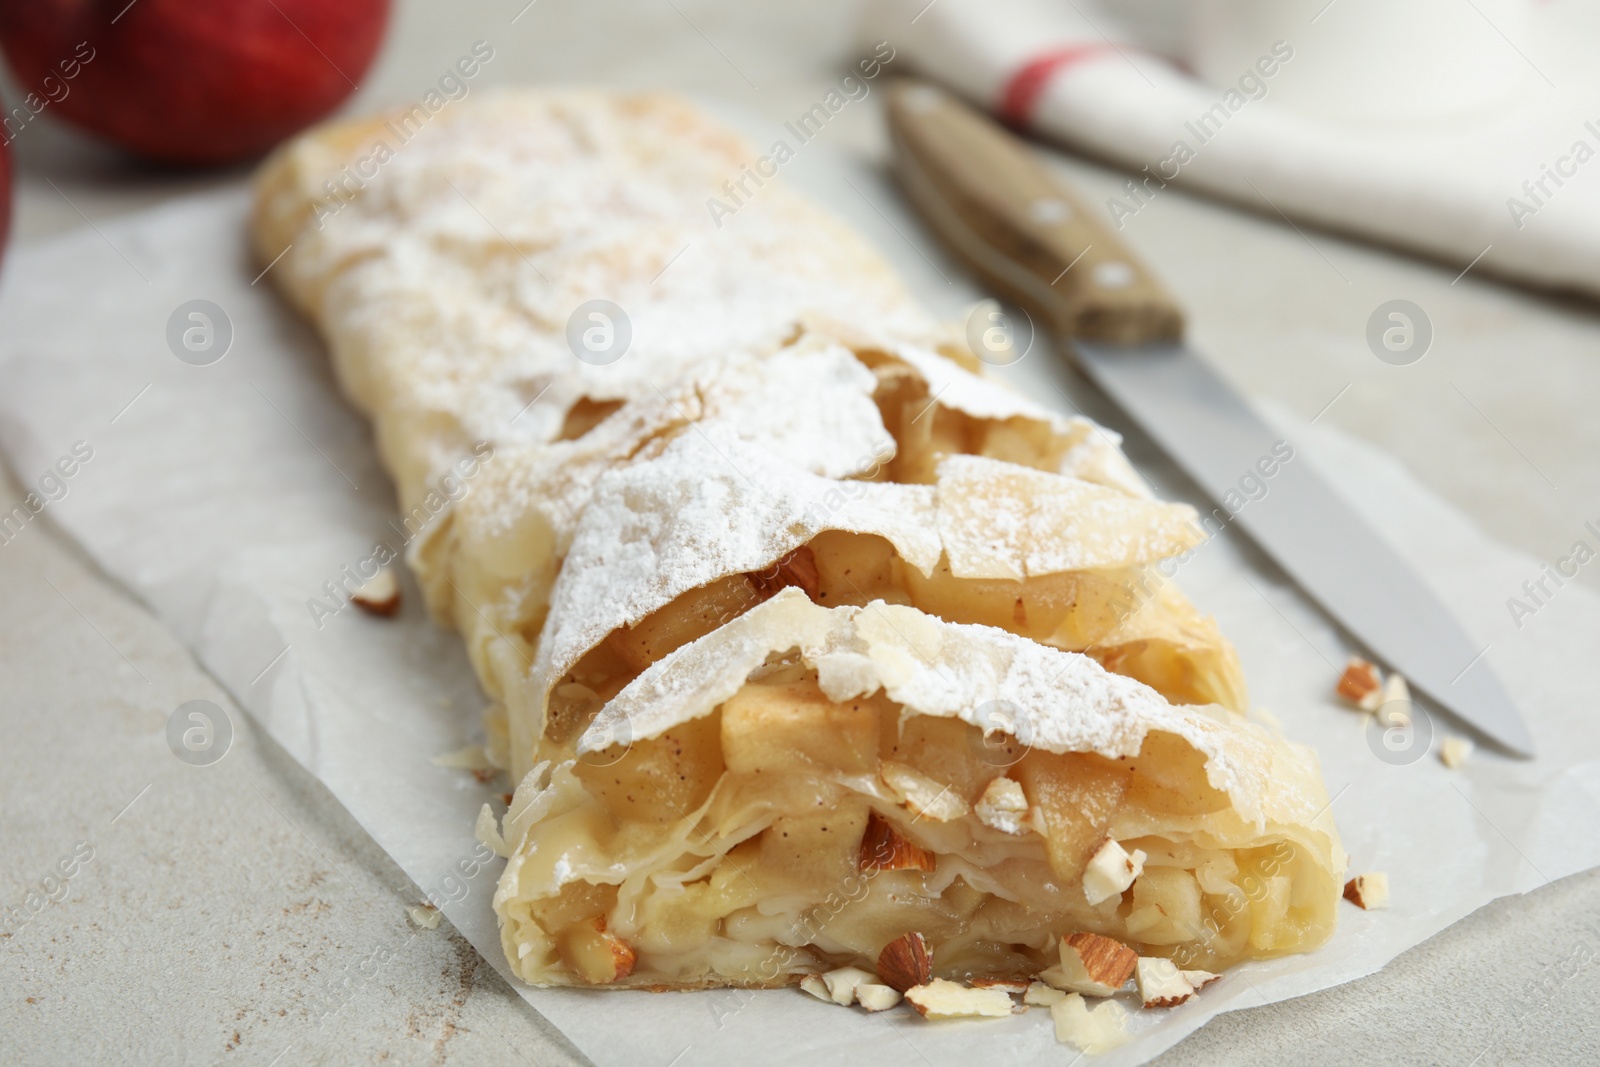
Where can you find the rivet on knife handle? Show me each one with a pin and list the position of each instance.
(1020, 227)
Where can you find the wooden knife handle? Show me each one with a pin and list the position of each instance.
(983, 190)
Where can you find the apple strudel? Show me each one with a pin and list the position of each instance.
(800, 634)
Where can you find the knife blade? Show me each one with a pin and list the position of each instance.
(1019, 227)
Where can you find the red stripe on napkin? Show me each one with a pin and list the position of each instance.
(1022, 92)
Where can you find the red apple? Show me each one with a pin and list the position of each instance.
(191, 81)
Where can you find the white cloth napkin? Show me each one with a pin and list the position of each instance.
(1453, 190)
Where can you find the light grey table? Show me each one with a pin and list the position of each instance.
(237, 914)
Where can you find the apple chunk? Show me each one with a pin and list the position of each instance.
(792, 726)
(1076, 794)
(659, 780)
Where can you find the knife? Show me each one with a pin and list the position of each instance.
(1023, 231)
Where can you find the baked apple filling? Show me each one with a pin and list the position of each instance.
(1132, 620)
(489, 570)
(787, 833)
(910, 387)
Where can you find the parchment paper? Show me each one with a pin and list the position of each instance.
(224, 496)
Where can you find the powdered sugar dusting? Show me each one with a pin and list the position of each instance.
(713, 505)
(710, 505)
(810, 402)
(446, 287)
(1053, 700)
(974, 395)
(999, 520)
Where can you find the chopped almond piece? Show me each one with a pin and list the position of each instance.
(1368, 891)
(905, 962)
(1111, 871)
(883, 848)
(1200, 979)
(1161, 984)
(1042, 995)
(813, 984)
(944, 999)
(1394, 703)
(487, 831)
(1094, 1030)
(380, 595)
(1055, 977)
(1453, 751)
(1092, 964)
(1360, 684)
(1009, 986)
(842, 983)
(925, 797)
(1003, 807)
(875, 997)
